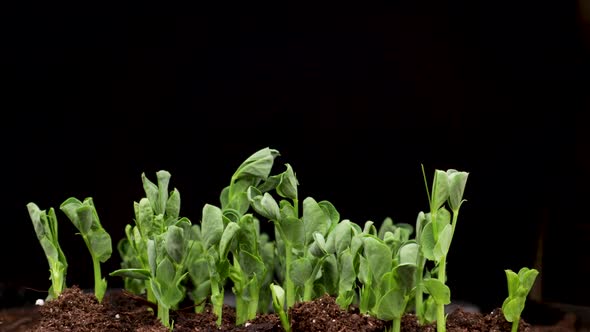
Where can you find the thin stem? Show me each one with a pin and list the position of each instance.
(164, 314)
(440, 308)
(99, 288)
(396, 325)
(289, 285)
(515, 325)
(419, 296)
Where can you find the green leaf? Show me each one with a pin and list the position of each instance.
(420, 222)
(257, 165)
(100, 244)
(173, 205)
(270, 207)
(146, 216)
(264, 204)
(513, 308)
(457, 182)
(331, 212)
(340, 238)
(287, 186)
(443, 218)
(405, 275)
(251, 264)
(270, 183)
(370, 228)
(134, 273)
(211, 225)
(318, 246)
(165, 272)
(152, 256)
(301, 270)
(347, 272)
(392, 305)
(163, 181)
(294, 231)
(314, 219)
(151, 192)
(527, 278)
(427, 242)
(379, 256)
(513, 282)
(440, 190)
(175, 243)
(441, 249)
(364, 273)
(49, 249)
(228, 235)
(439, 291)
(408, 253)
(278, 297)
(386, 226)
(69, 207)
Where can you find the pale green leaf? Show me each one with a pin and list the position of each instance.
(457, 182)
(175, 243)
(440, 190)
(211, 225)
(314, 219)
(438, 290)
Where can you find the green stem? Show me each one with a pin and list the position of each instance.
(149, 292)
(253, 304)
(419, 295)
(308, 290)
(515, 325)
(241, 312)
(440, 308)
(396, 325)
(284, 320)
(217, 300)
(289, 285)
(99, 287)
(164, 314)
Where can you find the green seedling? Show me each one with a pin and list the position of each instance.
(300, 240)
(153, 215)
(217, 232)
(198, 270)
(387, 275)
(85, 218)
(519, 286)
(436, 230)
(278, 302)
(45, 225)
(157, 248)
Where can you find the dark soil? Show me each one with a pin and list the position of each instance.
(76, 311)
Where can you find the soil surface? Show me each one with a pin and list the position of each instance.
(76, 311)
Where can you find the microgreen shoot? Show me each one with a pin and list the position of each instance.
(85, 218)
(45, 224)
(519, 286)
(156, 250)
(278, 302)
(436, 233)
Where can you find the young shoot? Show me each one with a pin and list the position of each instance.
(45, 225)
(278, 302)
(436, 236)
(85, 218)
(519, 286)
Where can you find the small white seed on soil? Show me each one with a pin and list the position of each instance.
(247, 324)
(117, 316)
(39, 302)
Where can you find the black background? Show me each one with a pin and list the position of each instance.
(355, 99)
